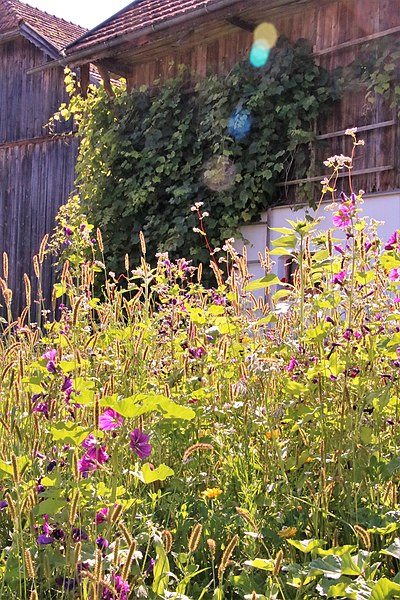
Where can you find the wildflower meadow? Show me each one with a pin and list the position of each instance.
(162, 439)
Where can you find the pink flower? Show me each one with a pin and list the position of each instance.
(89, 442)
(110, 419)
(292, 364)
(139, 443)
(339, 277)
(101, 516)
(98, 454)
(394, 274)
(342, 218)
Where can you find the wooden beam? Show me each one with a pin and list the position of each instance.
(333, 134)
(85, 79)
(343, 174)
(357, 41)
(45, 139)
(105, 75)
(240, 23)
(9, 36)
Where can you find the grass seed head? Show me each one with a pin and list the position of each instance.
(194, 539)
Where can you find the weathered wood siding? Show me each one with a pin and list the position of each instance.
(36, 169)
(215, 47)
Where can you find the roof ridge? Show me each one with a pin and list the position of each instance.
(39, 10)
(11, 12)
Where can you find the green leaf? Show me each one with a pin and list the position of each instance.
(385, 589)
(393, 549)
(176, 411)
(50, 506)
(280, 252)
(22, 462)
(284, 230)
(287, 241)
(149, 475)
(60, 289)
(264, 282)
(160, 571)
(261, 563)
(216, 310)
(306, 545)
(69, 433)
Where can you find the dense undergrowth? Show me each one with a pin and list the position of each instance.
(172, 441)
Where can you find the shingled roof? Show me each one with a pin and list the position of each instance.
(138, 16)
(56, 31)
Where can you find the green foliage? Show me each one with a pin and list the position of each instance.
(144, 154)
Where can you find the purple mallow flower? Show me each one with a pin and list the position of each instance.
(51, 356)
(44, 540)
(101, 516)
(292, 364)
(102, 543)
(338, 278)
(140, 443)
(3, 504)
(394, 274)
(110, 420)
(392, 241)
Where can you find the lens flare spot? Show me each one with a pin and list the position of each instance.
(219, 174)
(259, 53)
(267, 33)
(239, 123)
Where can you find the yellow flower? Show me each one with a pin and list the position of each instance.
(287, 532)
(272, 434)
(211, 493)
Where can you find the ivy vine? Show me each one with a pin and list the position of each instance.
(147, 156)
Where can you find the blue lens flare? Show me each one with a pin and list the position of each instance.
(259, 54)
(239, 123)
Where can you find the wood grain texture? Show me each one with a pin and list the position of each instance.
(37, 170)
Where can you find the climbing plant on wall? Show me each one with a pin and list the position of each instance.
(147, 156)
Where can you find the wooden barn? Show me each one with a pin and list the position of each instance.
(149, 39)
(36, 167)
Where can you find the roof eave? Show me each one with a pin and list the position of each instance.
(102, 49)
(39, 40)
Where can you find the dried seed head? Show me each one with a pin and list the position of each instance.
(36, 266)
(116, 513)
(98, 565)
(117, 546)
(28, 290)
(167, 540)
(77, 554)
(16, 473)
(64, 271)
(100, 240)
(73, 510)
(42, 248)
(142, 243)
(196, 448)
(30, 569)
(227, 555)
(75, 466)
(75, 312)
(278, 562)
(34, 595)
(364, 535)
(212, 547)
(5, 265)
(247, 517)
(96, 412)
(126, 533)
(199, 272)
(11, 507)
(127, 263)
(194, 539)
(129, 559)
